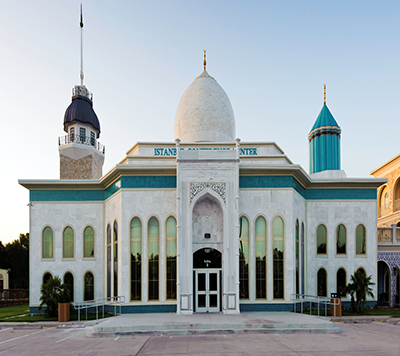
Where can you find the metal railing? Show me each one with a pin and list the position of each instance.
(96, 303)
(307, 299)
(385, 234)
(10, 297)
(83, 140)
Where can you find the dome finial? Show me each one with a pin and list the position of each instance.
(324, 94)
(204, 61)
(81, 26)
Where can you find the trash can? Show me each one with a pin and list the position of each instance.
(336, 304)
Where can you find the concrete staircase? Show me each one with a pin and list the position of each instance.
(209, 324)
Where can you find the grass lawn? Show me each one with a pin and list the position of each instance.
(15, 310)
(20, 313)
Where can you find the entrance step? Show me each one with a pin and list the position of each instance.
(173, 324)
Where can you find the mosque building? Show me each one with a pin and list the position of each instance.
(204, 223)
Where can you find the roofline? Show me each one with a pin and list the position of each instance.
(385, 164)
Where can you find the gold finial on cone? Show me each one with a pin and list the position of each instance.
(324, 94)
(204, 61)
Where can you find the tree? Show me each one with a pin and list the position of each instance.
(53, 292)
(15, 256)
(360, 286)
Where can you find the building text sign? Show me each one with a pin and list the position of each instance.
(167, 151)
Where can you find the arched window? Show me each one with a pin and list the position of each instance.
(153, 240)
(340, 280)
(302, 258)
(46, 277)
(297, 257)
(386, 200)
(115, 258)
(68, 243)
(361, 269)
(47, 243)
(261, 258)
(360, 240)
(321, 283)
(341, 240)
(243, 258)
(69, 282)
(89, 286)
(136, 260)
(278, 265)
(171, 258)
(109, 260)
(321, 240)
(88, 242)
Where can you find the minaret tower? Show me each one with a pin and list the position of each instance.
(81, 155)
(324, 142)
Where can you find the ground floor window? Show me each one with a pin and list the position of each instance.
(89, 286)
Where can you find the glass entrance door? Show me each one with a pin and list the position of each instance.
(207, 291)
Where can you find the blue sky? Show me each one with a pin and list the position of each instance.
(271, 57)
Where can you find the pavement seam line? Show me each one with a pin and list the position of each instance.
(140, 350)
(20, 337)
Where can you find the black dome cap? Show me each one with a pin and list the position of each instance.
(81, 110)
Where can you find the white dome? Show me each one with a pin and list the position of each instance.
(204, 113)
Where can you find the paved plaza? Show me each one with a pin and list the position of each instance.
(365, 339)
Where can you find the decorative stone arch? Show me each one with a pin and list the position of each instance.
(381, 197)
(197, 189)
(392, 260)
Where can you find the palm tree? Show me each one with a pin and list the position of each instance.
(53, 292)
(360, 286)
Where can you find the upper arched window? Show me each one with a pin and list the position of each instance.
(386, 200)
(261, 258)
(321, 240)
(136, 259)
(88, 242)
(171, 258)
(243, 258)
(341, 240)
(278, 266)
(360, 240)
(68, 243)
(47, 243)
(153, 241)
(89, 286)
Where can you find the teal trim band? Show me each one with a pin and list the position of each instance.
(312, 194)
(341, 194)
(66, 195)
(139, 182)
(271, 182)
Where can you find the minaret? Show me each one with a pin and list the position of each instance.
(81, 155)
(324, 142)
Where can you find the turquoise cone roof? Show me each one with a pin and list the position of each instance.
(325, 118)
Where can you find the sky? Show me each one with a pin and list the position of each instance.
(271, 57)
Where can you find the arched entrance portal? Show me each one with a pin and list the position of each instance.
(207, 278)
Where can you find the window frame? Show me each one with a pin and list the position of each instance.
(141, 257)
(166, 256)
(84, 243)
(73, 243)
(48, 258)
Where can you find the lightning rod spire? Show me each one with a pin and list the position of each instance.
(81, 26)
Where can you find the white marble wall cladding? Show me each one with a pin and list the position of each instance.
(207, 218)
